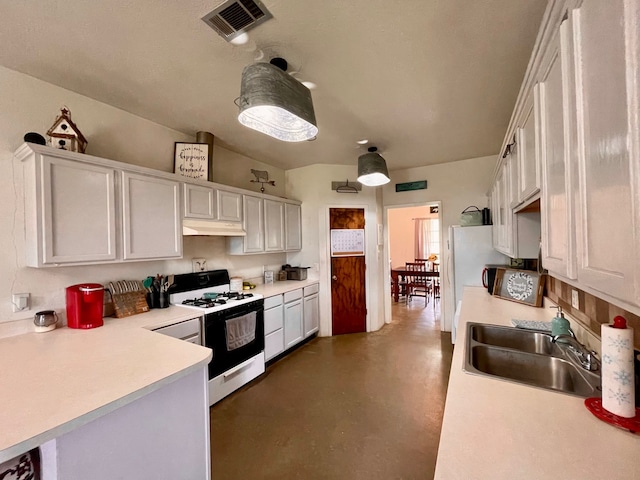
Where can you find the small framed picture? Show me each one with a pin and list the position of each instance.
(268, 276)
(192, 160)
(522, 286)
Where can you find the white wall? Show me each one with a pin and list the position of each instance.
(457, 185)
(312, 186)
(28, 104)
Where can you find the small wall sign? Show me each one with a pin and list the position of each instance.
(192, 160)
(522, 286)
(408, 186)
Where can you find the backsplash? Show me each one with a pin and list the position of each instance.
(593, 311)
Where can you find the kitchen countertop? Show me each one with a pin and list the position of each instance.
(501, 430)
(56, 381)
(278, 288)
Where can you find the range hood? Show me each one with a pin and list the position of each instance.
(211, 228)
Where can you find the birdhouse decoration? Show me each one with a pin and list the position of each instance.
(64, 134)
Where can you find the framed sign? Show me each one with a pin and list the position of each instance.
(192, 160)
(522, 286)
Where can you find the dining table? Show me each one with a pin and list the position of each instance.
(401, 272)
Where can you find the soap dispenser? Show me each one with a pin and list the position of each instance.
(559, 324)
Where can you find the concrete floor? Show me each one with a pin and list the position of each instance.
(359, 406)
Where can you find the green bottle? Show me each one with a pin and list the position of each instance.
(559, 324)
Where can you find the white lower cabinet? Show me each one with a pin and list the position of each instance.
(273, 327)
(311, 310)
(293, 332)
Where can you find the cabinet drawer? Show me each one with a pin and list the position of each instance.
(271, 302)
(292, 295)
(272, 319)
(273, 344)
(310, 290)
(183, 330)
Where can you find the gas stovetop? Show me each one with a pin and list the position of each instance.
(211, 299)
(207, 292)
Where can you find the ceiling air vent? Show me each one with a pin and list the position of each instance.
(235, 17)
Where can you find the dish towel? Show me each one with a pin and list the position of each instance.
(241, 331)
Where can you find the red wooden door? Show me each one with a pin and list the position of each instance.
(348, 296)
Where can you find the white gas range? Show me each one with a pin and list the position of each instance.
(233, 327)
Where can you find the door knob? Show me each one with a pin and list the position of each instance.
(334, 278)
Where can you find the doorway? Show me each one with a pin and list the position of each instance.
(414, 232)
(348, 293)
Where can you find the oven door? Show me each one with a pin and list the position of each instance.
(235, 334)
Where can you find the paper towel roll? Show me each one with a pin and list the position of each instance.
(618, 389)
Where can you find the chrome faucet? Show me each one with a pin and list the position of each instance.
(586, 357)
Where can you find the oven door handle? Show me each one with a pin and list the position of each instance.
(237, 368)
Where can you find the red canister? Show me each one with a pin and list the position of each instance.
(84, 305)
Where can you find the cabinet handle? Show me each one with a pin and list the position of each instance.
(334, 278)
(236, 369)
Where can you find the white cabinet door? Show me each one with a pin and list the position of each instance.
(495, 217)
(253, 223)
(273, 330)
(274, 226)
(199, 202)
(528, 163)
(293, 329)
(605, 39)
(152, 221)
(78, 223)
(504, 212)
(229, 206)
(293, 227)
(554, 100)
(311, 314)
(514, 188)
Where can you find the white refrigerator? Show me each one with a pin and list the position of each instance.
(470, 249)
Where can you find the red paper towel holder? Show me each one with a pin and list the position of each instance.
(594, 405)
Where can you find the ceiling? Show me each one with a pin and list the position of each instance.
(427, 81)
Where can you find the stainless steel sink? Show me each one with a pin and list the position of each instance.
(515, 338)
(526, 357)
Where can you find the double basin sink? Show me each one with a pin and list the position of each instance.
(529, 357)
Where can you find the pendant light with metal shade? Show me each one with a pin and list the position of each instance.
(275, 103)
(372, 169)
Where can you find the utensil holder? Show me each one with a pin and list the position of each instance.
(163, 300)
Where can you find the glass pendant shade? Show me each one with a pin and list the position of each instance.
(275, 103)
(372, 170)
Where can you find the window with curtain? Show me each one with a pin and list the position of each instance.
(427, 241)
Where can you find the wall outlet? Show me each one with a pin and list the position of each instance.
(575, 300)
(20, 302)
(198, 265)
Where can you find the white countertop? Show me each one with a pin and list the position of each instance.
(54, 382)
(278, 288)
(493, 429)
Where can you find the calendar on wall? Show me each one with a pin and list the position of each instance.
(347, 242)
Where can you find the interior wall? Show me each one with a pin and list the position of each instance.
(28, 104)
(402, 237)
(457, 185)
(312, 186)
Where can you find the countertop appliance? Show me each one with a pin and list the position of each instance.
(84, 305)
(233, 327)
(470, 250)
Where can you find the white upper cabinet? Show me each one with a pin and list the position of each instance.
(293, 227)
(274, 226)
(253, 224)
(199, 202)
(528, 163)
(553, 97)
(228, 206)
(70, 212)
(605, 45)
(152, 220)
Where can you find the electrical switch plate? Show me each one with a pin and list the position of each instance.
(199, 264)
(20, 302)
(575, 300)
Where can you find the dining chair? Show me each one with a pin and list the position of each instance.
(417, 285)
